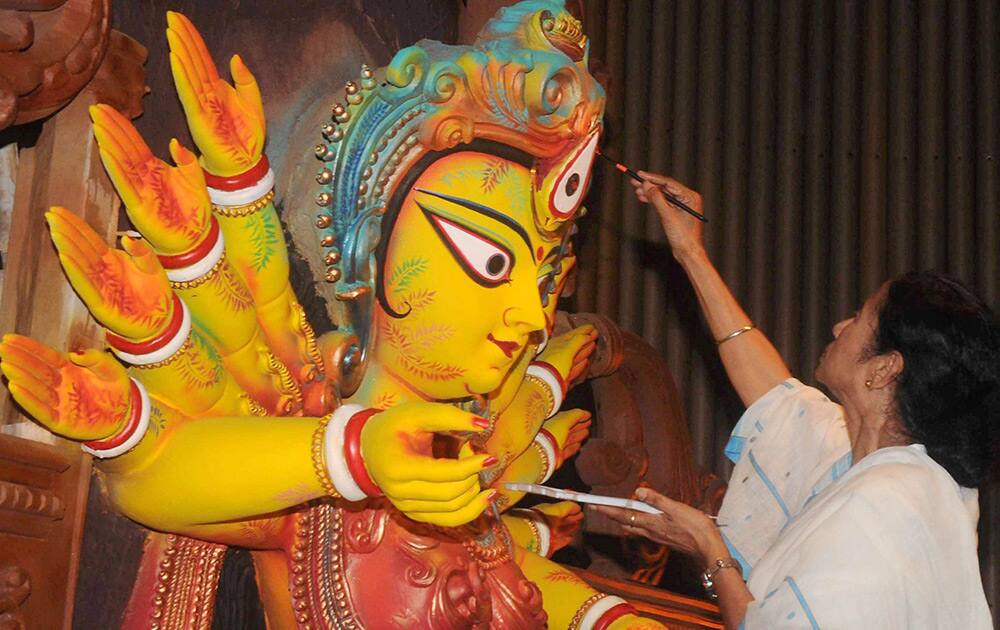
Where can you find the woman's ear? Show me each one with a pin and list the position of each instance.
(885, 369)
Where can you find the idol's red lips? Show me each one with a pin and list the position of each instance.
(507, 347)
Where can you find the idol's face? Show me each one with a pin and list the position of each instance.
(462, 270)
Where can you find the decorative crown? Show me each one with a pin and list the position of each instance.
(524, 83)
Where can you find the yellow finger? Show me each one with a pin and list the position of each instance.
(40, 351)
(179, 40)
(74, 254)
(191, 173)
(458, 517)
(108, 141)
(246, 86)
(122, 176)
(36, 408)
(431, 469)
(428, 491)
(24, 379)
(19, 358)
(143, 257)
(199, 50)
(186, 90)
(74, 225)
(435, 417)
(448, 505)
(136, 149)
(197, 55)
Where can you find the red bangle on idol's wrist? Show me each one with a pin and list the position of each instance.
(243, 180)
(135, 413)
(156, 343)
(555, 374)
(614, 614)
(200, 251)
(352, 452)
(132, 433)
(542, 431)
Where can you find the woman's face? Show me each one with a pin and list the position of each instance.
(843, 365)
(463, 263)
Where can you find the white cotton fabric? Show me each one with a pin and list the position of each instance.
(889, 543)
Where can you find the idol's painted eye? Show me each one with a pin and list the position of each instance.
(486, 261)
(571, 184)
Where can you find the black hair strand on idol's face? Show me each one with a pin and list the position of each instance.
(948, 393)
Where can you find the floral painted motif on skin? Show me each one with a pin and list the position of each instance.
(405, 272)
(89, 402)
(385, 400)
(264, 238)
(122, 290)
(260, 530)
(200, 366)
(174, 215)
(296, 494)
(408, 347)
(493, 174)
(564, 576)
(157, 421)
(232, 132)
(230, 290)
(416, 300)
(537, 408)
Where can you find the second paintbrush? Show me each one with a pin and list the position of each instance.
(671, 198)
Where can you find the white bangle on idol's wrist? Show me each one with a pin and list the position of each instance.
(546, 374)
(165, 351)
(538, 525)
(200, 268)
(125, 443)
(243, 196)
(549, 451)
(333, 453)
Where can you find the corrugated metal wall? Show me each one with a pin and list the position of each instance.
(836, 145)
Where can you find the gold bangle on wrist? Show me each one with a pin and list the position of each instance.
(736, 333)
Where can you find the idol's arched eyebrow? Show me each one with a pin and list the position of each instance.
(483, 210)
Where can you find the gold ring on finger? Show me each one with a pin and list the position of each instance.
(631, 520)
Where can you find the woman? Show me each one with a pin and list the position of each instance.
(854, 515)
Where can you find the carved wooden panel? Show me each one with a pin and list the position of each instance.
(42, 498)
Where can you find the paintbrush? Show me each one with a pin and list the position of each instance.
(671, 198)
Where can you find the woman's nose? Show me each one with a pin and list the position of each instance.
(839, 327)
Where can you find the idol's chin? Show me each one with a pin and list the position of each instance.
(486, 381)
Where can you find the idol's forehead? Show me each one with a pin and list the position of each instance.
(488, 181)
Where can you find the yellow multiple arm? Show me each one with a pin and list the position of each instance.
(171, 208)
(228, 125)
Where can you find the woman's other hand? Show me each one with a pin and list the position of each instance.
(680, 527)
(684, 232)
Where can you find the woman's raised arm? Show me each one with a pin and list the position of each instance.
(751, 360)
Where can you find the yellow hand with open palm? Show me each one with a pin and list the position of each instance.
(80, 395)
(126, 291)
(168, 204)
(226, 121)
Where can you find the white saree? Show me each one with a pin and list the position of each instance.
(889, 543)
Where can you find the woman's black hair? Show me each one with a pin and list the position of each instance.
(396, 201)
(948, 394)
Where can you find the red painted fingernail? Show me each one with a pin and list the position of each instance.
(490, 461)
(482, 423)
